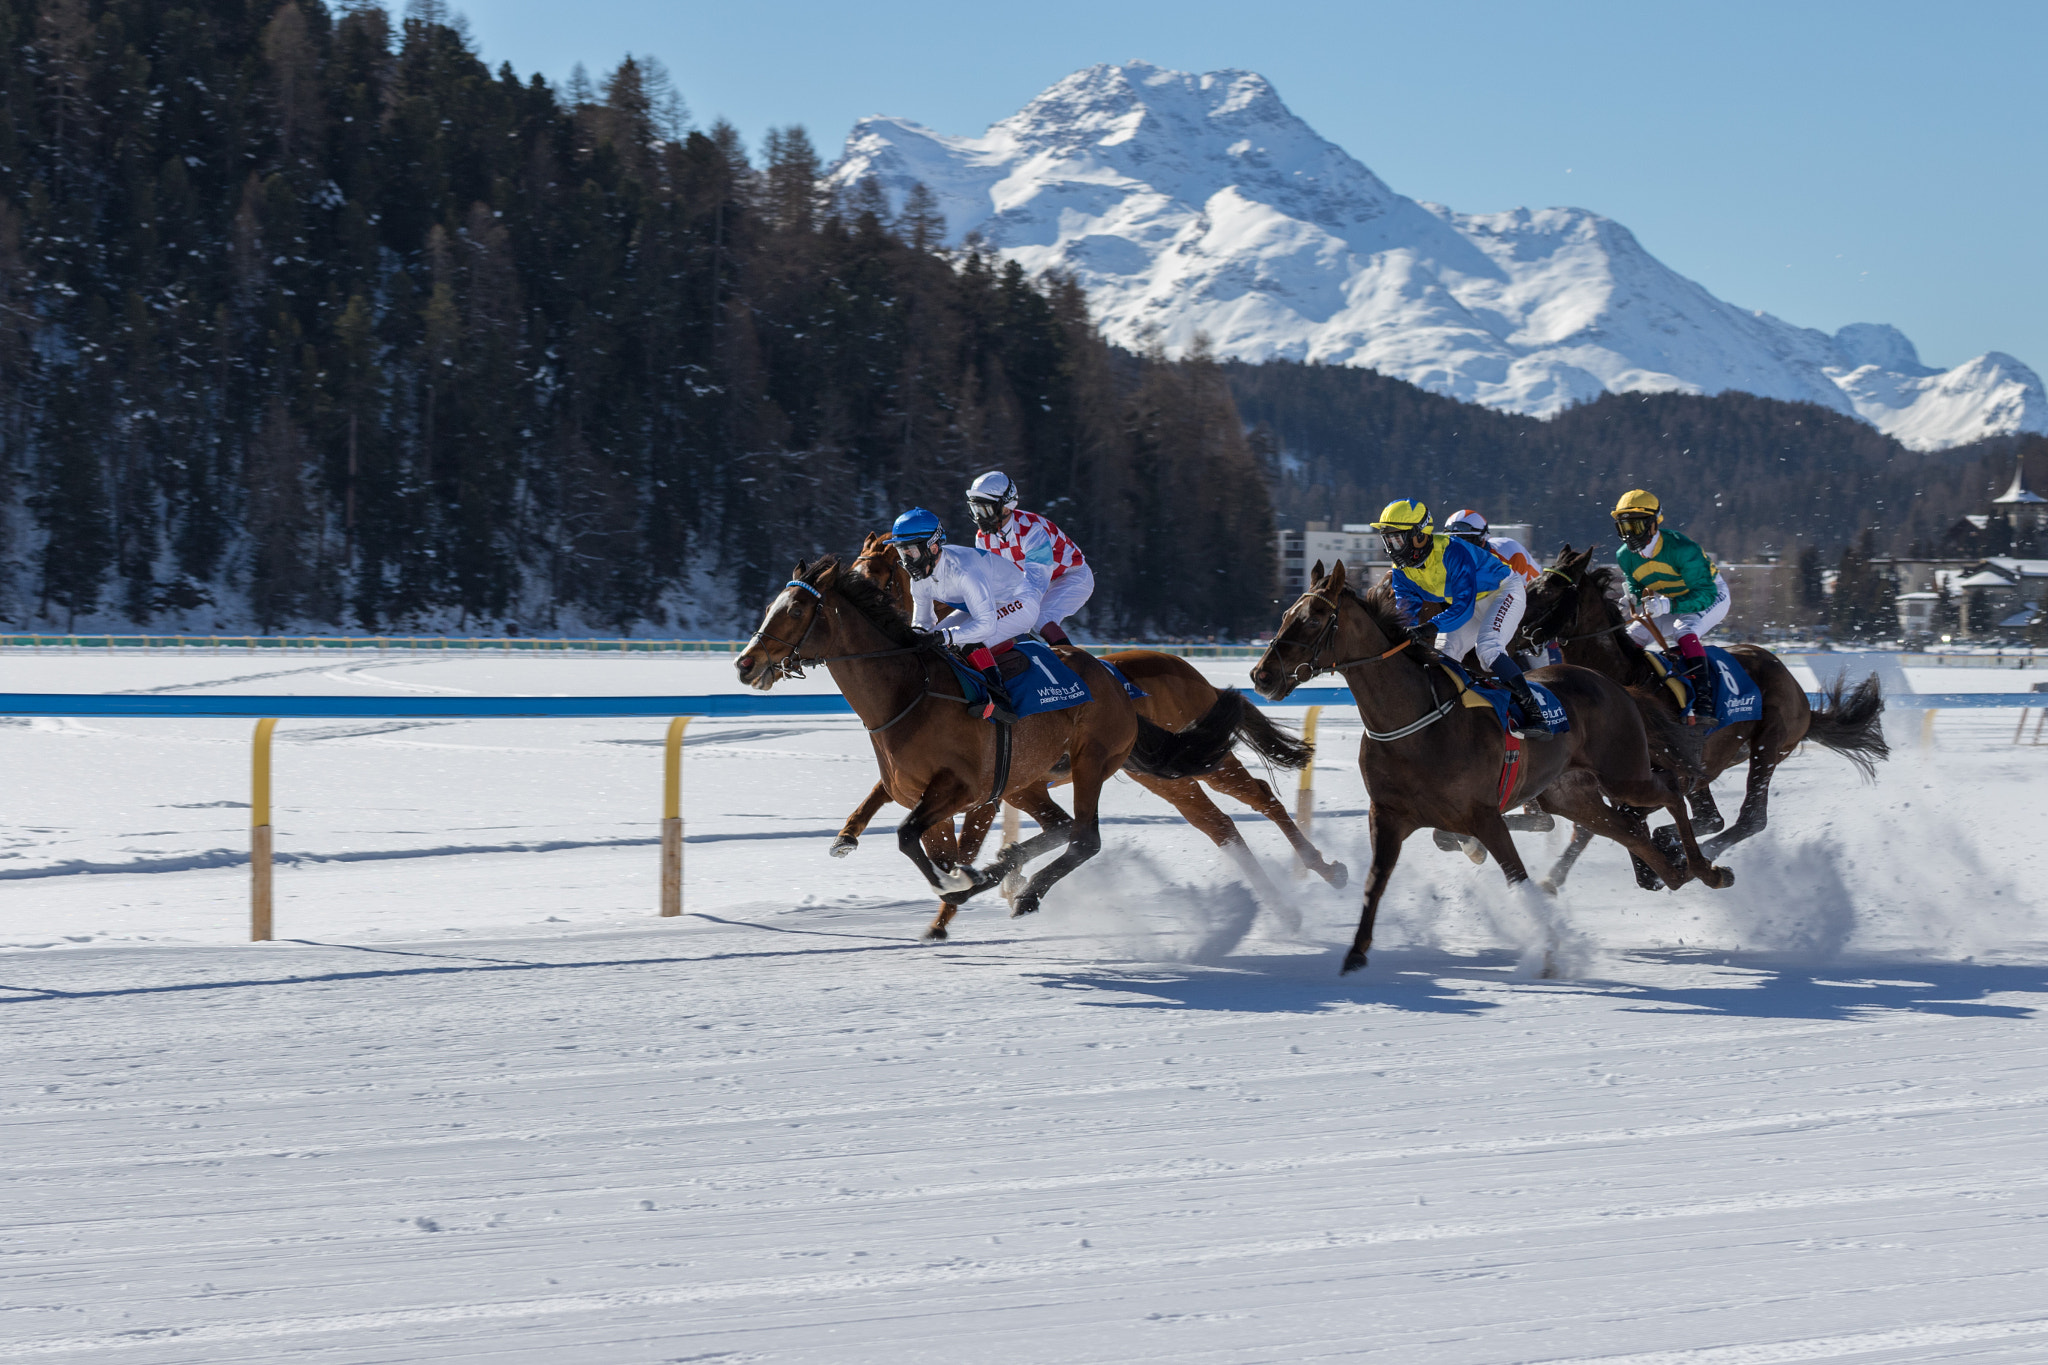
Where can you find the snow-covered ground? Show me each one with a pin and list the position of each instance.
(480, 1104)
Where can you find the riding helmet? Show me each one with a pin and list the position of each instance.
(1637, 517)
(991, 498)
(1406, 531)
(918, 536)
(1466, 524)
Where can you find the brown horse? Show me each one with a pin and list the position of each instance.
(1430, 762)
(1579, 607)
(939, 758)
(1176, 696)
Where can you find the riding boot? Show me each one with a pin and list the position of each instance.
(1051, 633)
(1700, 674)
(1534, 726)
(997, 707)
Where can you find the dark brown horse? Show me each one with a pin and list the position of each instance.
(1579, 607)
(1430, 761)
(1176, 696)
(939, 758)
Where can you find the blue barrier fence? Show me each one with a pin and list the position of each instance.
(202, 705)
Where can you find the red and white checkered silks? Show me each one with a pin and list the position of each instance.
(1028, 537)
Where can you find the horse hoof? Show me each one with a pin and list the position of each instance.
(935, 934)
(844, 845)
(1336, 874)
(1547, 887)
(1475, 850)
(1026, 905)
(956, 879)
(1446, 840)
(1353, 960)
(1722, 878)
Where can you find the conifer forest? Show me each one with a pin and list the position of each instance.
(310, 320)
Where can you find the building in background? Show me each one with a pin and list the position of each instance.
(1358, 545)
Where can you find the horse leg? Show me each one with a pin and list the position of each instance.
(974, 827)
(1388, 830)
(937, 804)
(1187, 797)
(1234, 779)
(1091, 769)
(1055, 828)
(1562, 868)
(850, 832)
(1756, 798)
(1706, 816)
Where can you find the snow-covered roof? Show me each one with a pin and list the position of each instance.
(1918, 597)
(1980, 520)
(2019, 568)
(1986, 578)
(2019, 492)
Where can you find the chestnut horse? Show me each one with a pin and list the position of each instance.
(1580, 608)
(1176, 696)
(1430, 762)
(939, 758)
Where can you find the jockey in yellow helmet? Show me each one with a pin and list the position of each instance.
(1676, 587)
(1477, 599)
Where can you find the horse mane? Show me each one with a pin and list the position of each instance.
(1608, 584)
(1379, 604)
(867, 598)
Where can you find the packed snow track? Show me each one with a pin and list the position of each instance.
(479, 1104)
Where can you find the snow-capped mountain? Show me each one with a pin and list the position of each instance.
(1193, 205)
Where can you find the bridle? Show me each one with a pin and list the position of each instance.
(1308, 668)
(793, 663)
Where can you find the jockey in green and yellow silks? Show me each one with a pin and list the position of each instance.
(1466, 592)
(1676, 586)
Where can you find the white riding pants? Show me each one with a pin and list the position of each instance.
(1492, 623)
(1065, 595)
(1691, 623)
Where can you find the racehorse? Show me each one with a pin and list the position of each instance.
(1429, 761)
(938, 758)
(1176, 696)
(1580, 608)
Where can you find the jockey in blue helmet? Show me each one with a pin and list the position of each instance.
(993, 600)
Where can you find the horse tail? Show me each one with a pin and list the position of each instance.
(1853, 726)
(1280, 747)
(1201, 748)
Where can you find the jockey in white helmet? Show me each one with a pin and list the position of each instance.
(1032, 542)
(1469, 524)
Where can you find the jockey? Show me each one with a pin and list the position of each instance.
(993, 600)
(1031, 541)
(1468, 524)
(1478, 598)
(1673, 580)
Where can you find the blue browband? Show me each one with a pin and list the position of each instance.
(799, 583)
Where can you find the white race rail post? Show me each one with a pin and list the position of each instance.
(259, 835)
(672, 819)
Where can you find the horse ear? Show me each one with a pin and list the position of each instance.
(867, 543)
(798, 571)
(1337, 576)
(829, 575)
(1315, 575)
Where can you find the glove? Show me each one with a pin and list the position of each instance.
(1656, 606)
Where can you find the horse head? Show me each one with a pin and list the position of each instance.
(777, 646)
(1306, 641)
(879, 563)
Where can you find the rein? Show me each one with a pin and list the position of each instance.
(1307, 669)
(794, 662)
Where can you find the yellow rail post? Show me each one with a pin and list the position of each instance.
(1927, 728)
(259, 835)
(1305, 796)
(672, 819)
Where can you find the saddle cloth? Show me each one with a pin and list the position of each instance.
(1040, 683)
(1737, 698)
(1131, 689)
(1504, 707)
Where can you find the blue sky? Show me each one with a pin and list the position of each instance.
(1827, 162)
